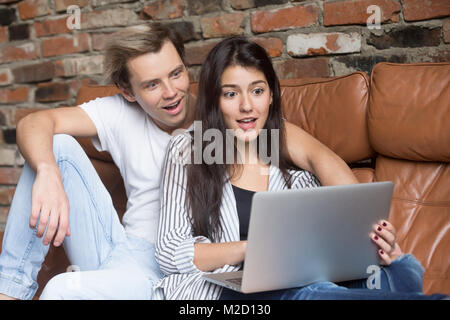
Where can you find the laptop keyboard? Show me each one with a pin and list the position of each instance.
(237, 281)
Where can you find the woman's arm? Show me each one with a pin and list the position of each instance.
(211, 256)
(310, 154)
(177, 250)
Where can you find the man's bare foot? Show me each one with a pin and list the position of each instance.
(5, 297)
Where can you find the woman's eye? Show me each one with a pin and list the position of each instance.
(258, 91)
(229, 94)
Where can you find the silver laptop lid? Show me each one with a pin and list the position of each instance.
(297, 237)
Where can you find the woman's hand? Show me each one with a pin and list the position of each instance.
(384, 235)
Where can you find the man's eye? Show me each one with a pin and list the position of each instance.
(151, 85)
(176, 74)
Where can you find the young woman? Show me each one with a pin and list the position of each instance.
(206, 206)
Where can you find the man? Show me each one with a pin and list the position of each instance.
(116, 261)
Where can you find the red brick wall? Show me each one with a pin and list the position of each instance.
(43, 63)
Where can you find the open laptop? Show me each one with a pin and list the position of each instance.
(298, 237)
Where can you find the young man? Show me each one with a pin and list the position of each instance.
(116, 261)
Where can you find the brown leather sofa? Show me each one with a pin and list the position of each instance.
(394, 126)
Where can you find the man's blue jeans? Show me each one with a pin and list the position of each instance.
(401, 280)
(113, 264)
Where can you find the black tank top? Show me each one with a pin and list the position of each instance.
(243, 205)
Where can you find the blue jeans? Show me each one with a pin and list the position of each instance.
(110, 263)
(401, 280)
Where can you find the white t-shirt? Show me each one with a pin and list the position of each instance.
(138, 148)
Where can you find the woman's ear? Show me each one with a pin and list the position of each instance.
(127, 94)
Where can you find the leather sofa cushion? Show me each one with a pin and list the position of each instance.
(420, 211)
(333, 110)
(409, 114)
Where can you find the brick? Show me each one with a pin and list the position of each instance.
(100, 40)
(16, 95)
(34, 72)
(65, 45)
(7, 16)
(355, 12)
(311, 44)
(273, 46)
(196, 53)
(432, 55)
(286, 18)
(10, 175)
(6, 77)
(3, 218)
(222, 25)
(199, 7)
(53, 91)
(98, 3)
(19, 32)
(365, 63)
(262, 3)
(185, 29)
(26, 51)
(107, 18)
(51, 27)
(20, 113)
(3, 34)
(446, 31)
(408, 37)
(9, 136)
(164, 9)
(76, 85)
(87, 65)
(414, 10)
(3, 117)
(29, 9)
(7, 156)
(242, 4)
(6, 195)
(62, 5)
(302, 68)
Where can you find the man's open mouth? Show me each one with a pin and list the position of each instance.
(173, 105)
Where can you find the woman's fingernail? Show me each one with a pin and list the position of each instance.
(381, 252)
(379, 229)
(384, 224)
(376, 238)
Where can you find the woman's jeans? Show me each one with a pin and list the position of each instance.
(108, 262)
(401, 280)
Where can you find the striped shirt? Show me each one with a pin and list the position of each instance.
(175, 241)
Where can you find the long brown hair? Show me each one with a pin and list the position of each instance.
(205, 182)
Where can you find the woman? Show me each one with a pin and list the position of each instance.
(206, 206)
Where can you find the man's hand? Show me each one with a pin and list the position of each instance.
(49, 199)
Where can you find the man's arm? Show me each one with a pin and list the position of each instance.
(35, 141)
(310, 154)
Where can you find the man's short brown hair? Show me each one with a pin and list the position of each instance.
(132, 42)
